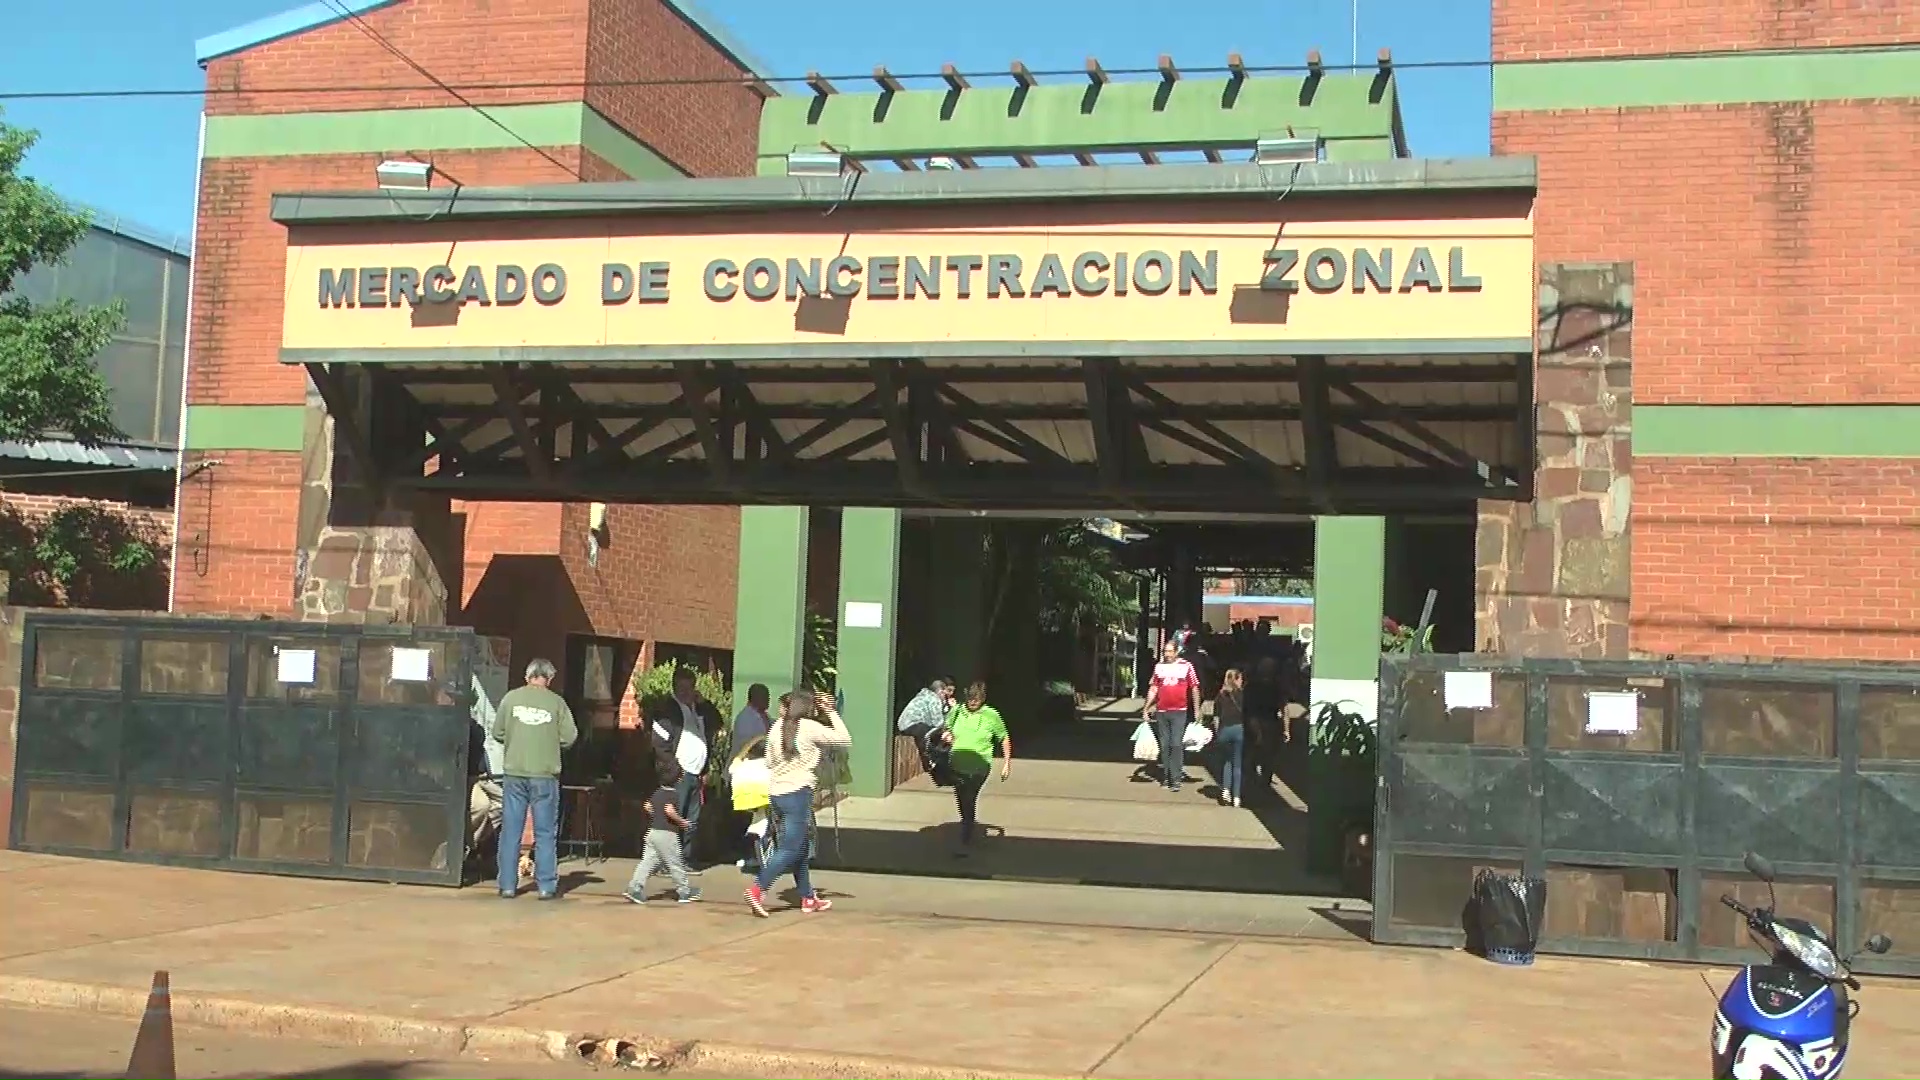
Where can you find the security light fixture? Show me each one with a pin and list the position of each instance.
(1288, 150)
(815, 163)
(411, 175)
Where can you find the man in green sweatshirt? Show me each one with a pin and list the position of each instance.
(534, 725)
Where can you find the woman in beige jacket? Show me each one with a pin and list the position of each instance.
(807, 727)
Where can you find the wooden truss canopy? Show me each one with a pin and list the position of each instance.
(1261, 436)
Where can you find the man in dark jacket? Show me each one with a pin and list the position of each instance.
(684, 727)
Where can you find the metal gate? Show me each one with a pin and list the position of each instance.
(288, 748)
(1639, 832)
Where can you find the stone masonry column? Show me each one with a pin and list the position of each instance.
(1553, 574)
(366, 556)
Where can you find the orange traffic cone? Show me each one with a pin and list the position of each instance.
(152, 1057)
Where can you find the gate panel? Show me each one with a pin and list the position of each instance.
(1640, 832)
(174, 740)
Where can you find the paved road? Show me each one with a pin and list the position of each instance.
(56, 1045)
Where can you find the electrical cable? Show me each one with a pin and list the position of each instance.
(801, 80)
(400, 54)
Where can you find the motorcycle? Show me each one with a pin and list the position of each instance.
(1788, 1019)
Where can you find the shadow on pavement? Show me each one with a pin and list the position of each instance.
(930, 851)
(1357, 923)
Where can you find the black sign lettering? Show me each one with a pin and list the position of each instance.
(1051, 275)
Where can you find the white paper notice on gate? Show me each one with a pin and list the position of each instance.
(865, 614)
(297, 666)
(1613, 712)
(411, 665)
(1469, 689)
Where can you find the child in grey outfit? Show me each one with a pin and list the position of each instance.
(662, 850)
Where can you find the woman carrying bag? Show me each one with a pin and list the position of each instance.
(802, 741)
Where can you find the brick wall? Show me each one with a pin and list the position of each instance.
(234, 553)
(1770, 244)
(1757, 557)
(1554, 29)
(496, 43)
(511, 574)
(1772, 248)
(667, 573)
(707, 129)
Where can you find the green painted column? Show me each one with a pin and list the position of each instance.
(1349, 581)
(770, 615)
(1349, 570)
(869, 614)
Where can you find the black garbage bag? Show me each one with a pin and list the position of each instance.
(1511, 911)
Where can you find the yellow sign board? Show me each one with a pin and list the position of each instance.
(930, 278)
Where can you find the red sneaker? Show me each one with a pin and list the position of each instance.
(755, 901)
(814, 904)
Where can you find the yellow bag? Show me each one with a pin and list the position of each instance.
(749, 779)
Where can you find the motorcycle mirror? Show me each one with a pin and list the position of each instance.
(1759, 867)
(1879, 944)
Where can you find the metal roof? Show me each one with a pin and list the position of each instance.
(1406, 176)
(110, 222)
(104, 456)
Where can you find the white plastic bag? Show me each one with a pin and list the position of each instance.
(1197, 737)
(1145, 746)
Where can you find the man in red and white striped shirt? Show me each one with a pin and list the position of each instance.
(1173, 699)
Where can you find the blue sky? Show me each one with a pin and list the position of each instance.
(135, 157)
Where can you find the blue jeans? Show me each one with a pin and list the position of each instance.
(792, 828)
(541, 796)
(686, 793)
(1232, 742)
(1170, 727)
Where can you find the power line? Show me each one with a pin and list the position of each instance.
(400, 54)
(928, 77)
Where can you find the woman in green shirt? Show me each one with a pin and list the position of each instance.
(973, 727)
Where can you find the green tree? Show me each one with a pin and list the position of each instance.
(1256, 583)
(1081, 582)
(48, 381)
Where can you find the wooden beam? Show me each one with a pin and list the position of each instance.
(1316, 427)
(1025, 161)
(509, 394)
(1236, 67)
(693, 388)
(1023, 76)
(821, 87)
(348, 432)
(1168, 73)
(906, 449)
(1096, 74)
(888, 82)
(956, 82)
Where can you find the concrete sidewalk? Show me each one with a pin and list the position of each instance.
(848, 992)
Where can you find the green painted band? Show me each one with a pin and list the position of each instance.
(378, 131)
(616, 355)
(1730, 79)
(246, 427)
(1872, 431)
(1190, 113)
